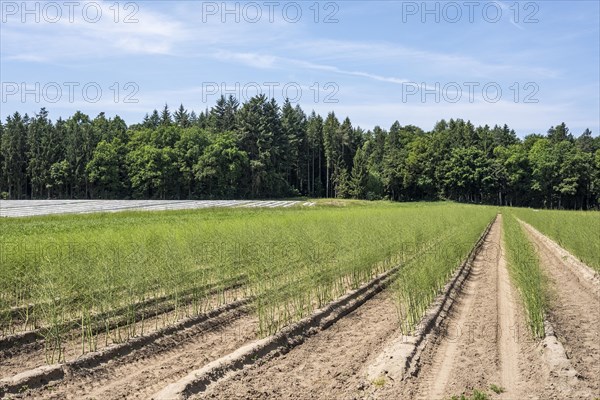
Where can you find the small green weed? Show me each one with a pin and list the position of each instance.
(379, 382)
(477, 395)
(496, 389)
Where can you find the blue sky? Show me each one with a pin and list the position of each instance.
(375, 61)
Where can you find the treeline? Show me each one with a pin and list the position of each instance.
(262, 150)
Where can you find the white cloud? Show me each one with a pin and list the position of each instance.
(255, 60)
(72, 39)
(366, 70)
(397, 54)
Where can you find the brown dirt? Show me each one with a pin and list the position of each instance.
(328, 365)
(143, 372)
(20, 358)
(574, 311)
(483, 341)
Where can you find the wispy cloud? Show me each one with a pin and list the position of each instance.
(506, 11)
(171, 50)
(395, 53)
(44, 42)
(255, 60)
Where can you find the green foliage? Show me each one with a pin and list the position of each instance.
(261, 136)
(221, 167)
(476, 395)
(14, 168)
(223, 114)
(465, 173)
(525, 271)
(360, 176)
(444, 248)
(496, 389)
(100, 269)
(576, 231)
(379, 382)
(151, 170)
(103, 169)
(289, 154)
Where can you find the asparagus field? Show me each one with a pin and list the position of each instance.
(576, 231)
(239, 302)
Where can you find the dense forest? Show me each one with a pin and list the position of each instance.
(260, 149)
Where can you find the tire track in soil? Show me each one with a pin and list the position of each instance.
(574, 312)
(143, 372)
(484, 340)
(466, 343)
(440, 370)
(507, 311)
(328, 365)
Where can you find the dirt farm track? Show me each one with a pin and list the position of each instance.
(352, 349)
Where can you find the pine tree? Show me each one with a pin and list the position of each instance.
(38, 163)
(193, 118)
(293, 146)
(314, 133)
(559, 133)
(14, 148)
(165, 116)
(360, 176)
(154, 120)
(181, 117)
(3, 183)
(330, 130)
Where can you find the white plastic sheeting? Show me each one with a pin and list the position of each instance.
(28, 208)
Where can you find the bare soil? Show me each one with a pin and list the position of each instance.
(141, 373)
(328, 365)
(20, 358)
(574, 311)
(483, 341)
